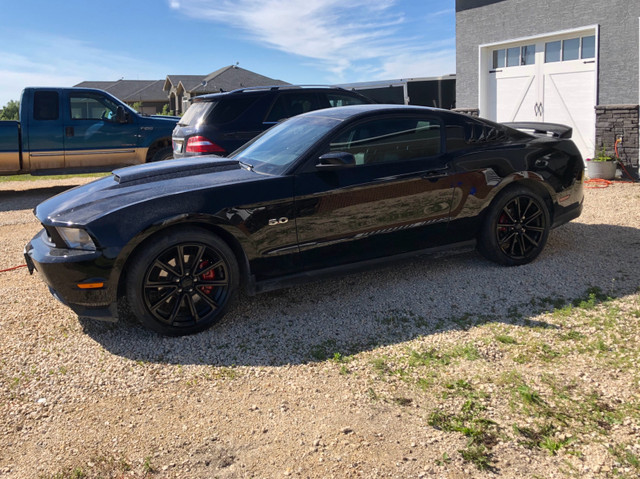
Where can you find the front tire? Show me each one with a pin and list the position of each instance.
(182, 282)
(516, 227)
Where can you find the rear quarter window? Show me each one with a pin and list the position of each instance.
(195, 112)
(46, 105)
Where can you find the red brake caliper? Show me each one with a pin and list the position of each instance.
(208, 276)
(501, 221)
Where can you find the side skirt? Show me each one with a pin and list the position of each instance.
(255, 287)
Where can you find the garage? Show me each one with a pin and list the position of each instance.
(552, 78)
(575, 63)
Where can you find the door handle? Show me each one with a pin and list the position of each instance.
(538, 109)
(68, 131)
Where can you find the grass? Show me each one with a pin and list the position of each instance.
(100, 467)
(482, 433)
(4, 179)
(551, 410)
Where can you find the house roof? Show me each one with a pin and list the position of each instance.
(225, 79)
(131, 90)
(188, 81)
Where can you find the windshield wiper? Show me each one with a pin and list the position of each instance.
(246, 166)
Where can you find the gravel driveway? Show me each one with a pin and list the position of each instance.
(365, 375)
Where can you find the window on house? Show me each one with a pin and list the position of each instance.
(588, 47)
(514, 56)
(552, 51)
(570, 49)
(529, 55)
(499, 58)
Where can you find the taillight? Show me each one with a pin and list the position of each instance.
(199, 144)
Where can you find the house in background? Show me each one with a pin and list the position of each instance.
(149, 94)
(176, 91)
(575, 63)
(182, 88)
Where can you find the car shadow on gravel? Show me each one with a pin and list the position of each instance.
(15, 200)
(395, 304)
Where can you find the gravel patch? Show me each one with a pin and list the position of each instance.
(359, 376)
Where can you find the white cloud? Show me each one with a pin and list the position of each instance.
(58, 61)
(423, 65)
(342, 36)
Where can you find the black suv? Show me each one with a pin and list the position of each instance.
(222, 122)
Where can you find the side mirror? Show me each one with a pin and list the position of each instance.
(336, 159)
(121, 115)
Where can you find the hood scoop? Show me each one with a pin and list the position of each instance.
(174, 169)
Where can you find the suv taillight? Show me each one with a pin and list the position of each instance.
(199, 144)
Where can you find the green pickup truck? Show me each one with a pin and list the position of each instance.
(69, 130)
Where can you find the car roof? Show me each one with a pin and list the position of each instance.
(347, 112)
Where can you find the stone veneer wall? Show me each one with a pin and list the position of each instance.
(613, 121)
(467, 111)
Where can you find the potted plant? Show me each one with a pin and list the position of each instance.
(602, 166)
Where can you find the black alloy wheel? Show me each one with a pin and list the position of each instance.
(182, 282)
(516, 228)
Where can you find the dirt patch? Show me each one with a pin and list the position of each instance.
(443, 366)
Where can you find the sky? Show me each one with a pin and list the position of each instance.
(49, 43)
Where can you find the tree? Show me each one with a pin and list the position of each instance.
(10, 111)
(166, 111)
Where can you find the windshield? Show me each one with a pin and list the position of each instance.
(280, 146)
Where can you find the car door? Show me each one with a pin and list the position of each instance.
(395, 199)
(93, 135)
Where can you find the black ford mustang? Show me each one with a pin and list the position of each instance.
(319, 193)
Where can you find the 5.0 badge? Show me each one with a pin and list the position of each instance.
(278, 221)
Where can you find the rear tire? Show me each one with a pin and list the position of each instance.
(182, 281)
(162, 154)
(516, 227)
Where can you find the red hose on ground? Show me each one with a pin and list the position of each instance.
(600, 183)
(11, 269)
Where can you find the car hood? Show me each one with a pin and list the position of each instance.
(138, 184)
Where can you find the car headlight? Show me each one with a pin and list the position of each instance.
(76, 238)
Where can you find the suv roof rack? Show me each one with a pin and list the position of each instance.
(282, 87)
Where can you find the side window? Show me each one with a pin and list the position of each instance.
(338, 99)
(91, 107)
(226, 111)
(390, 140)
(292, 104)
(456, 138)
(45, 105)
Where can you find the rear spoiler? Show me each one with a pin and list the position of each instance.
(549, 129)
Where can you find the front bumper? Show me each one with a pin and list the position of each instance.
(63, 270)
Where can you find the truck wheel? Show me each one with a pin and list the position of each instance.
(182, 282)
(162, 154)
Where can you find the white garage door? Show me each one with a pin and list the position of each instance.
(552, 79)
